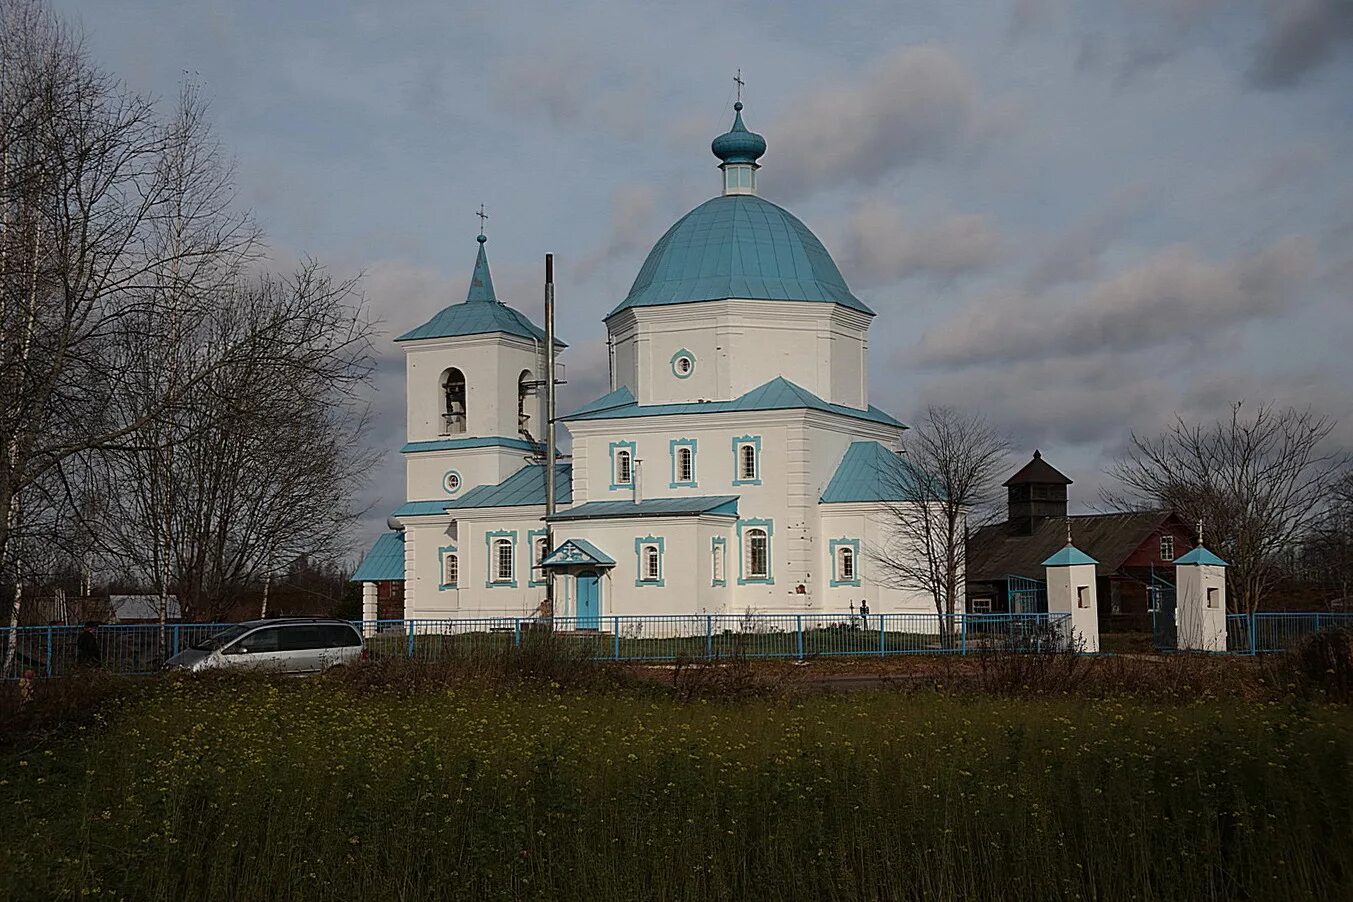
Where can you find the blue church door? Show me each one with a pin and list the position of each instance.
(589, 600)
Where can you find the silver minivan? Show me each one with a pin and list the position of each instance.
(294, 645)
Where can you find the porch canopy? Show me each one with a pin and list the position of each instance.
(577, 553)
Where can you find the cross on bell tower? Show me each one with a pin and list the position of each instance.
(483, 218)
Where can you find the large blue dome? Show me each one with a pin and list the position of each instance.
(738, 246)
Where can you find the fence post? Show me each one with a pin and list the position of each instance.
(882, 643)
(963, 633)
(176, 638)
(615, 625)
(410, 644)
(709, 636)
(798, 618)
(1254, 638)
(49, 650)
(516, 633)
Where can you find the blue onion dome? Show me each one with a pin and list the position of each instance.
(737, 145)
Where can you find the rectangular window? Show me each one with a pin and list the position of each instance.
(1082, 596)
(648, 561)
(716, 564)
(1167, 548)
(1213, 598)
(503, 560)
(758, 554)
(450, 570)
(652, 560)
(685, 465)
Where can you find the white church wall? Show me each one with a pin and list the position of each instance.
(425, 472)
(738, 346)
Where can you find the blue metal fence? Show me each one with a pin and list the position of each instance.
(1265, 633)
(136, 649)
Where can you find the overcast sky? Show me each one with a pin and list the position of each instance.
(1080, 219)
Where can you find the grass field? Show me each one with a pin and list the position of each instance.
(377, 788)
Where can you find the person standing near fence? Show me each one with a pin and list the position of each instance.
(864, 614)
(87, 652)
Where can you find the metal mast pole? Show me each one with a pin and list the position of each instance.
(549, 429)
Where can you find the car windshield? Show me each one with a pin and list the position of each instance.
(218, 640)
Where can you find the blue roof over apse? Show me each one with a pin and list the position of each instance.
(871, 472)
(738, 246)
(481, 312)
(713, 505)
(777, 394)
(384, 562)
(523, 488)
(577, 551)
(1069, 556)
(1200, 555)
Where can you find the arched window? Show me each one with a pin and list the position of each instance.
(453, 402)
(502, 560)
(624, 470)
(758, 553)
(685, 464)
(747, 461)
(652, 564)
(450, 571)
(845, 564)
(525, 388)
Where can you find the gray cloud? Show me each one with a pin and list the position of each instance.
(1169, 297)
(881, 248)
(1300, 37)
(918, 104)
(633, 206)
(1076, 254)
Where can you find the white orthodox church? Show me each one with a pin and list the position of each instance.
(736, 464)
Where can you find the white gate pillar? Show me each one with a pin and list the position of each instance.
(1071, 590)
(369, 610)
(1200, 601)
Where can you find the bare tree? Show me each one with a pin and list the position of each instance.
(258, 463)
(1258, 480)
(1327, 555)
(101, 209)
(946, 484)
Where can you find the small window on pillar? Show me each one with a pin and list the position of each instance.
(1082, 596)
(453, 402)
(1213, 598)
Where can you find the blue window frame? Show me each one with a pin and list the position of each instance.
(448, 562)
(845, 562)
(718, 561)
(501, 546)
(755, 561)
(747, 460)
(622, 465)
(683, 463)
(648, 559)
(535, 539)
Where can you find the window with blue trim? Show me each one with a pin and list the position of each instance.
(648, 552)
(540, 549)
(756, 563)
(845, 562)
(622, 465)
(683, 364)
(747, 460)
(502, 559)
(683, 463)
(450, 568)
(718, 553)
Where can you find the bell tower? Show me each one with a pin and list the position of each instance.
(474, 402)
(1037, 492)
